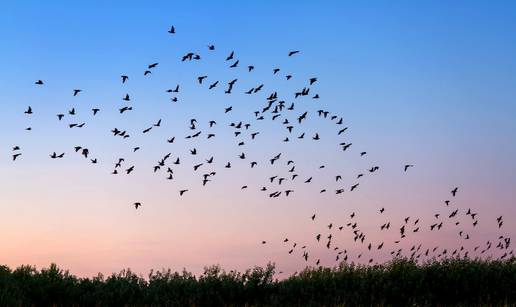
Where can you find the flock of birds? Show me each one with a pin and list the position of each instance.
(287, 113)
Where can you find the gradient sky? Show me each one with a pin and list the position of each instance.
(430, 83)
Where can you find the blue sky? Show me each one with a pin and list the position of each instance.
(426, 82)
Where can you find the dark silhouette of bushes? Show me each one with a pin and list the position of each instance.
(400, 282)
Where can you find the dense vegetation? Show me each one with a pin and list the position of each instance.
(401, 282)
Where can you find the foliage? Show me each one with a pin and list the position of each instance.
(400, 282)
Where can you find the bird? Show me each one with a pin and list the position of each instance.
(76, 92)
(172, 30)
(346, 146)
(342, 131)
(29, 111)
(407, 166)
(291, 53)
(39, 82)
(56, 156)
(302, 117)
(124, 109)
(136, 205)
(201, 78)
(175, 90)
(124, 78)
(189, 56)
(213, 85)
(454, 191)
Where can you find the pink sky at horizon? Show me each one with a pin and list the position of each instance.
(429, 85)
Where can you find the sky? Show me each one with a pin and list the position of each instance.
(428, 83)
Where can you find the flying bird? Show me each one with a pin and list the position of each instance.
(407, 166)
